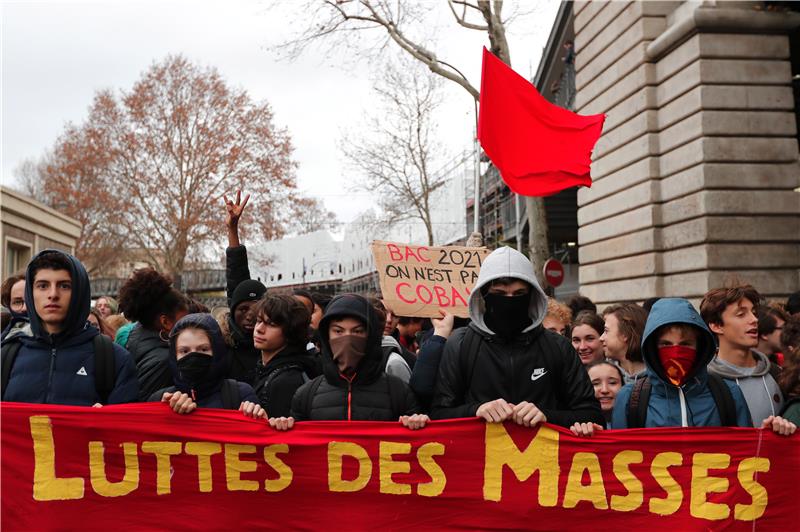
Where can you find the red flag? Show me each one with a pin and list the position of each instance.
(539, 148)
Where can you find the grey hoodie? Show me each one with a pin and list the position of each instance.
(537, 365)
(762, 393)
(507, 262)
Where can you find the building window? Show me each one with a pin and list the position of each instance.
(17, 257)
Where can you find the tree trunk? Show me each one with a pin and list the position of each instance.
(539, 250)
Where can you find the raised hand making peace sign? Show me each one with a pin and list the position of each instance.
(234, 210)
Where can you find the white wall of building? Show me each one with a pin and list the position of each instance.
(327, 259)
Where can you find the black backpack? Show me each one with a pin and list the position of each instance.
(640, 399)
(263, 391)
(105, 371)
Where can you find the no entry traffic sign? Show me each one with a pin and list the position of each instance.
(554, 272)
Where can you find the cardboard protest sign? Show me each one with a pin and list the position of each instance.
(422, 280)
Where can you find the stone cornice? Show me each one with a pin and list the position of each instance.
(719, 20)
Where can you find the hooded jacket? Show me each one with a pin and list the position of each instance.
(538, 366)
(365, 397)
(59, 368)
(762, 393)
(690, 405)
(209, 395)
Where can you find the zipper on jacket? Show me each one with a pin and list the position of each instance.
(684, 418)
(349, 394)
(50, 375)
(349, 400)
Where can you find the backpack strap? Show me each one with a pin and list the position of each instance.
(10, 350)
(638, 403)
(263, 390)
(471, 345)
(723, 399)
(397, 395)
(307, 398)
(231, 399)
(386, 352)
(105, 371)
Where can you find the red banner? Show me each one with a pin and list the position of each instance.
(142, 467)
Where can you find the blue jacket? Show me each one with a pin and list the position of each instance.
(666, 408)
(59, 368)
(209, 393)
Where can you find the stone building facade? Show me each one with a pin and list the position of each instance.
(27, 227)
(696, 174)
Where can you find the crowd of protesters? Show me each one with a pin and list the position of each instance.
(521, 356)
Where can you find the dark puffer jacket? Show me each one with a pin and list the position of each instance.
(277, 382)
(210, 394)
(150, 354)
(370, 395)
(59, 368)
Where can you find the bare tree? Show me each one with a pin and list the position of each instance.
(74, 179)
(345, 21)
(153, 164)
(396, 150)
(311, 215)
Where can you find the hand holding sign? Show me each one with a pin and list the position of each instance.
(422, 280)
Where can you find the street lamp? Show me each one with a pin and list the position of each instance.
(476, 157)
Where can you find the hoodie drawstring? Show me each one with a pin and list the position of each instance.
(769, 397)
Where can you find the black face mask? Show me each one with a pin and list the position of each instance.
(195, 369)
(507, 316)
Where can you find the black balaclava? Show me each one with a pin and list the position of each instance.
(199, 372)
(507, 316)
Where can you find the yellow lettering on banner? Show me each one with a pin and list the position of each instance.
(635, 496)
(387, 467)
(703, 484)
(203, 451)
(438, 481)
(336, 451)
(235, 466)
(285, 474)
(46, 485)
(162, 450)
(541, 455)
(660, 471)
(97, 470)
(576, 491)
(746, 474)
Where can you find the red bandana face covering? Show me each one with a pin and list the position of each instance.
(677, 361)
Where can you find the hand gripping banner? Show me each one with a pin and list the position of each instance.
(143, 467)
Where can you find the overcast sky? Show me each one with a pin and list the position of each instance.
(56, 54)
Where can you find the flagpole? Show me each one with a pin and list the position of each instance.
(516, 218)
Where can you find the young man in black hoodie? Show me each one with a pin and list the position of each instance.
(281, 335)
(354, 385)
(505, 365)
(57, 357)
